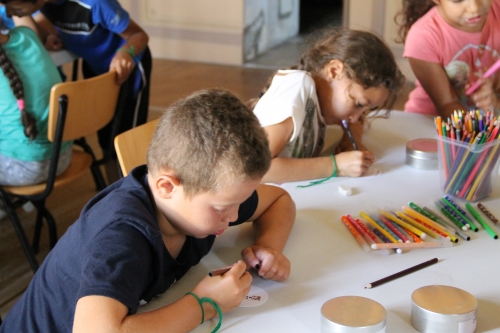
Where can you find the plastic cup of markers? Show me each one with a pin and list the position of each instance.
(468, 171)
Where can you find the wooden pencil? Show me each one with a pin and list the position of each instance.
(402, 273)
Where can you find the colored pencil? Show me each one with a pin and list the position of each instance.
(401, 273)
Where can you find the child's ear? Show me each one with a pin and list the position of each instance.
(166, 185)
(334, 69)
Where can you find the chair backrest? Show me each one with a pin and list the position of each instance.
(132, 146)
(91, 105)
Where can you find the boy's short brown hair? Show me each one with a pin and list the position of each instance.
(208, 138)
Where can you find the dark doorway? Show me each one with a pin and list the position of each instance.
(317, 14)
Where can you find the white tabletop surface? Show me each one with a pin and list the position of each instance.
(327, 262)
(62, 57)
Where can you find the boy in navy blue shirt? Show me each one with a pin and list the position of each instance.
(143, 233)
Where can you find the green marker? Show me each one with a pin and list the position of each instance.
(458, 230)
(480, 220)
(448, 227)
(465, 218)
(451, 217)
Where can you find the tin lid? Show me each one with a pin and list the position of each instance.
(443, 303)
(348, 314)
(423, 148)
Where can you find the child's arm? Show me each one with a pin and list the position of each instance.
(273, 221)
(435, 82)
(47, 33)
(136, 41)
(351, 164)
(98, 314)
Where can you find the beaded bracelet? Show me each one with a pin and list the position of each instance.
(216, 307)
(334, 174)
(131, 52)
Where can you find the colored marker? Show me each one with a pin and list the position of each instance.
(459, 213)
(355, 233)
(389, 230)
(349, 134)
(402, 223)
(361, 230)
(458, 231)
(417, 225)
(480, 220)
(429, 223)
(394, 229)
(487, 213)
(448, 226)
(487, 74)
(378, 227)
(371, 235)
(411, 245)
(386, 240)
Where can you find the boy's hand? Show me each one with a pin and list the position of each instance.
(485, 97)
(354, 163)
(269, 263)
(53, 43)
(227, 290)
(123, 64)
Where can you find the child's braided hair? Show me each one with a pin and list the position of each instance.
(16, 85)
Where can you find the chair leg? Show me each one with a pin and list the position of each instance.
(38, 229)
(95, 169)
(43, 212)
(28, 250)
(52, 227)
(100, 183)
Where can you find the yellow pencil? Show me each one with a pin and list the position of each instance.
(375, 225)
(402, 223)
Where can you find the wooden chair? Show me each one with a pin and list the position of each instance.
(132, 146)
(77, 109)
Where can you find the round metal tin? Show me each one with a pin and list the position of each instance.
(352, 314)
(422, 154)
(443, 309)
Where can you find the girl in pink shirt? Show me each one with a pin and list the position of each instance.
(450, 44)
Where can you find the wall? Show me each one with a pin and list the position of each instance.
(214, 31)
(195, 30)
(377, 16)
(268, 23)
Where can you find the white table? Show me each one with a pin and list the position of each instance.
(327, 262)
(62, 57)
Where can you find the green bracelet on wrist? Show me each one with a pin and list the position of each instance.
(131, 52)
(334, 174)
(216, 307)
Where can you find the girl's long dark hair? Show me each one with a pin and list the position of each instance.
(411, 12)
